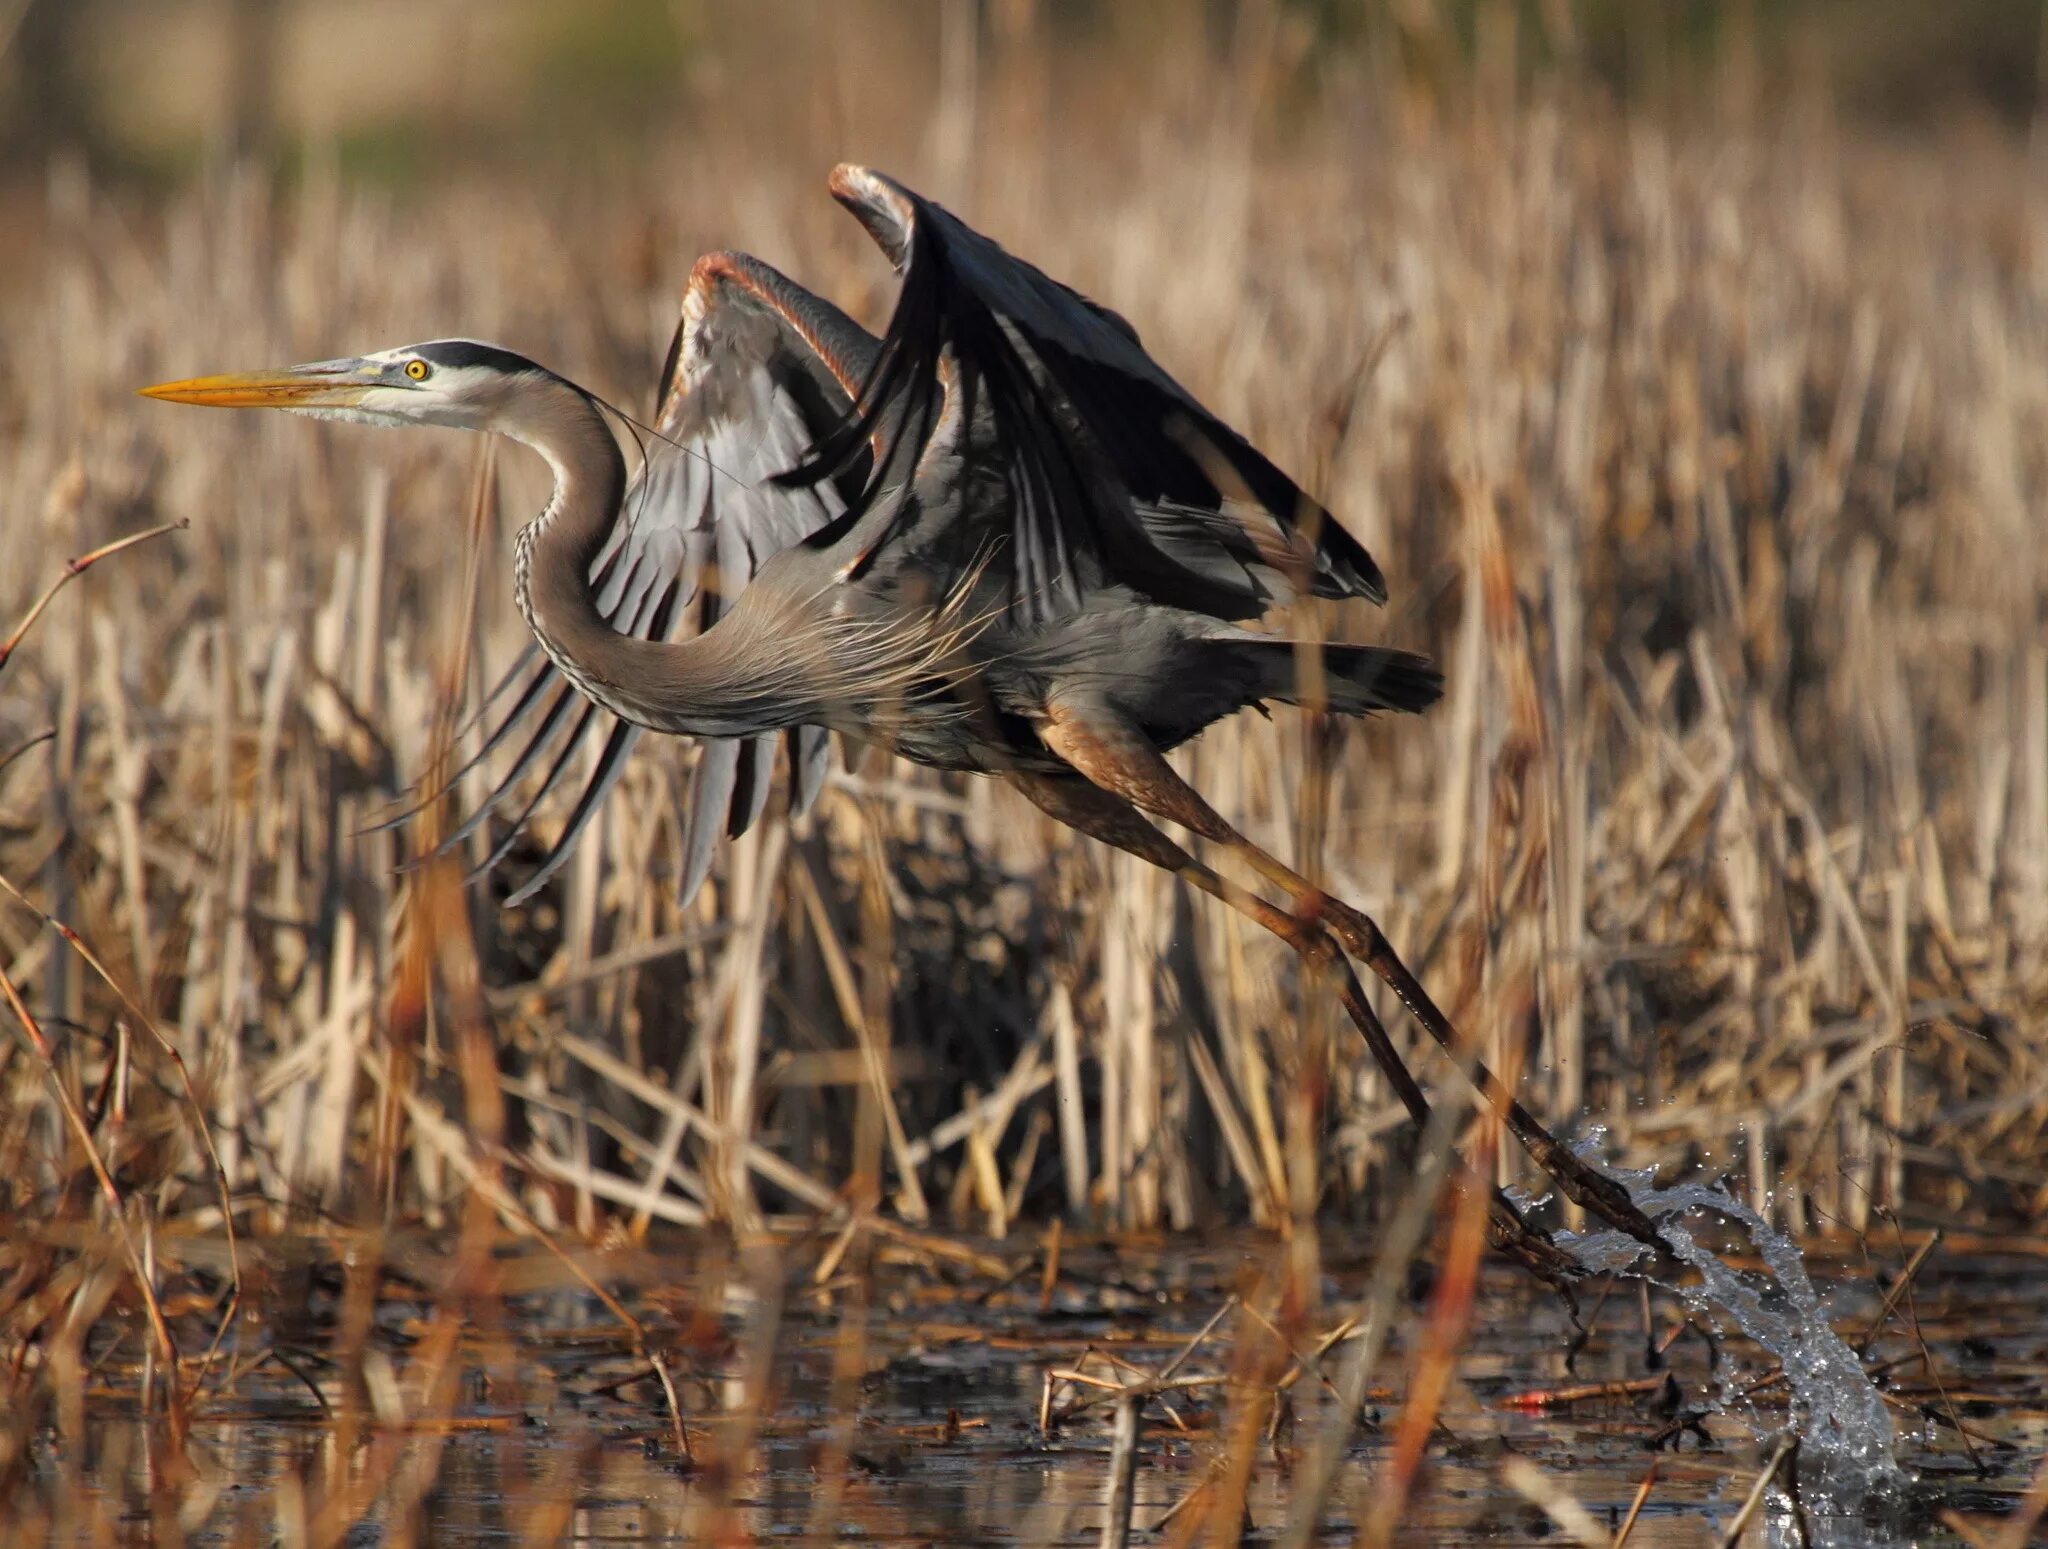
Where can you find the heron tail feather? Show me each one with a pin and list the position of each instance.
(1350, 679)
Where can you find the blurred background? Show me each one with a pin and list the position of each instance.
(401, 94)
(402, 97)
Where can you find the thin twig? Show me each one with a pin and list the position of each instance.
(48, 734)
(1635, 1507)
(1787, 1448)
(115, 1204)
(1123, 1472)
(1898, 1289)
(74, 568)
(1904, 1288)
(194, 1107)
(1188, 1349)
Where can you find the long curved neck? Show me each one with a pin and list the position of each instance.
(722, 683)
(564, 540)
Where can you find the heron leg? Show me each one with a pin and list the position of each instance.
(1103, 815)
(1101, 744)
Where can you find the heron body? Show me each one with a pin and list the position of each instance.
(913, 644)
(1000, 538)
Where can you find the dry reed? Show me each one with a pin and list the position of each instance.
(1704, 459)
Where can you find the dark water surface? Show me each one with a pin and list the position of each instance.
(548, 1427)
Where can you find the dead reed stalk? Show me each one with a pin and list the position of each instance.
(1703, 457)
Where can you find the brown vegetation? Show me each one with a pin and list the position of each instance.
(1707, 460)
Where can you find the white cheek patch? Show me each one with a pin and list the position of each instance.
(351, 415)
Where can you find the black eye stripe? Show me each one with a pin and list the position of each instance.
(458, 353)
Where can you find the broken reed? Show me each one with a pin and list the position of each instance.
(1701, 461)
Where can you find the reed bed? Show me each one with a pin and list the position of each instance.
(1706, 458)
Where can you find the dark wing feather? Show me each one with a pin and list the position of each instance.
(759, 369)
(1115, 472)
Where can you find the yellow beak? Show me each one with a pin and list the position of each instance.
(328, 384)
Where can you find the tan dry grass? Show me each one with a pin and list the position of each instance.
(1707, 462)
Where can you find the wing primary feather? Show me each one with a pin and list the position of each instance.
(611, 763)
(513, 717)
(918, 317)
(908, 449)
(520, 663)
(504, 846)
(1091, 431)
(543, 737)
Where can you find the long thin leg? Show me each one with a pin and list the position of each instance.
(1102, 815)
(1111, 753)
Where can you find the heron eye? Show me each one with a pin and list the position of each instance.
(417, 370)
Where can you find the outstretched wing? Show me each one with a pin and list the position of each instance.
(1114, 472)
(758, 370)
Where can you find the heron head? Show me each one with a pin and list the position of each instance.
(458, 383)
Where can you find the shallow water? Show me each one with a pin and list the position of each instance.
(555, 1431)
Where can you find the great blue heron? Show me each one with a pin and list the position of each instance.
(1000, 539)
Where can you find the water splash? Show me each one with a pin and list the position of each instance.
(1846, 1463)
